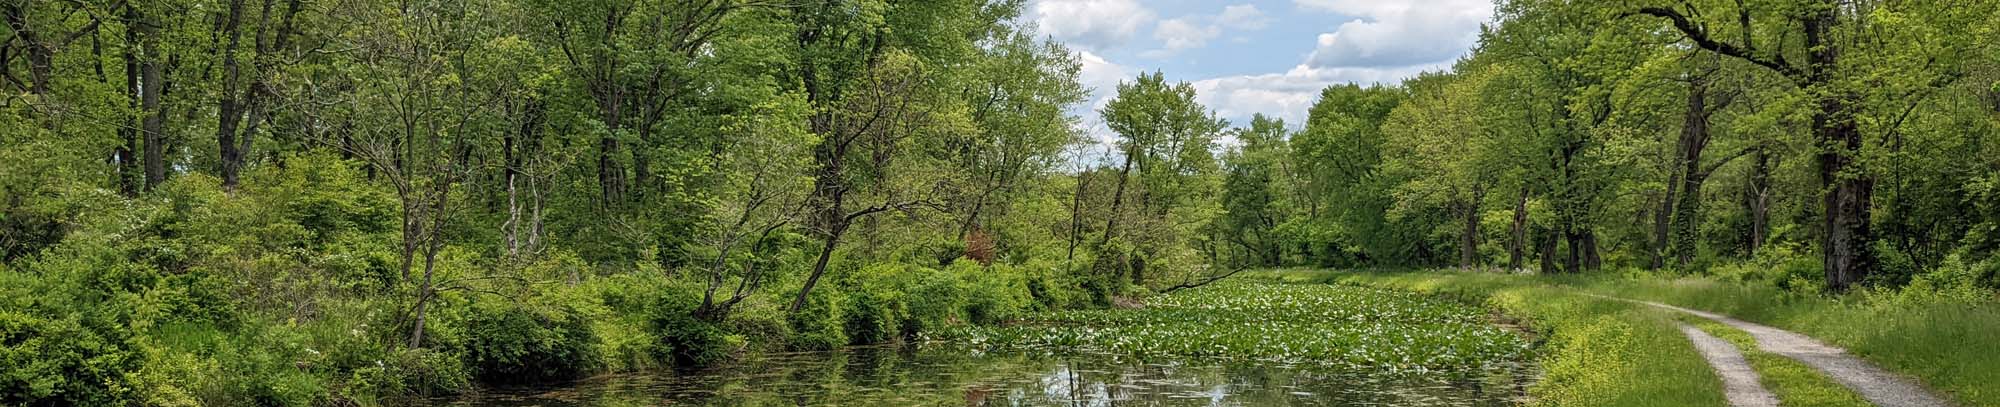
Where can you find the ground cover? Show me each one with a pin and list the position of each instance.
(1378, 329)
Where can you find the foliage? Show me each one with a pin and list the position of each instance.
(1325, 324)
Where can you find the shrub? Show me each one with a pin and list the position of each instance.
(1052, 286)
(875, 306)
(820, 323)
(59, 361)
(994, 294)
(514, 344)
(935, 298)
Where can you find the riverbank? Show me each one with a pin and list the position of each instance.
(1620, 351)
(1236, 342)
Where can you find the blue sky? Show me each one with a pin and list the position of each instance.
(1257, 56)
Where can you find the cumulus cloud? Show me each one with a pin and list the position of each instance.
(1102, 76)
(1243, 16)
(1397, 33)
(1093, 24)
(1194, 31)
(1290, 95)
(1181, 33)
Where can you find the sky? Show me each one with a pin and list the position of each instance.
(1256, 56)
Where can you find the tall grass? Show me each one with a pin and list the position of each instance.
(1944, 339)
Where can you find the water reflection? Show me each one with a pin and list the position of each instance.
(944, 375)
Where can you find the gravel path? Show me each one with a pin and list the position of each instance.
(1878, 386)
(1739, 380)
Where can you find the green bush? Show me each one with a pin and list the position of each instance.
(820, 323)
(513, 344)
(761, 322)
(662, 308)
(59, 361)
(993, 294)
(934, 298)
(1052, 286)
(876, 306)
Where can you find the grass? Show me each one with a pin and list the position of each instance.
(1598, 352)
(1942, 339)
(1379, 329)
(1794, 383)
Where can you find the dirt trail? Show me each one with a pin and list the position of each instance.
(1878, 386)
(1739, 380)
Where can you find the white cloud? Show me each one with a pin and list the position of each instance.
(1243, 16)
(1093, 24)
(1102, 76)
(1181, 33)
(1195, 31)
(1397, 33)
(1290, 95)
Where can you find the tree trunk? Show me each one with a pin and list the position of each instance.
(229, 112)
(40, 55)
(424, 293)
(1663, 220)
(1547, 246)
(1846, 202)
(1468, 241)
(1076, 213)
(1516, 248)
(819, 268)
(1593, 259)
(130, 179)
(1117, 198)
(1757, 201)
(153, 87)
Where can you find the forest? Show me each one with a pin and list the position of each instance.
(366, 202)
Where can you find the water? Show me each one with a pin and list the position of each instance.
(948, 376)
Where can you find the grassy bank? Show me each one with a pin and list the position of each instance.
(1936, 335)
(1597, 352)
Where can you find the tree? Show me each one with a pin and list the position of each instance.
(420, 106)
(1253, 192)
(246, 92)
(1168, 138)
(1339, 154)
(1829, 32)
(874, 82)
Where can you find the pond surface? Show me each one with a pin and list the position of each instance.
(945, 375)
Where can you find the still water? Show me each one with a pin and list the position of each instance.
(935, 375)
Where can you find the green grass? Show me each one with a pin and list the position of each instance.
(1942, 339)
(1946, 342)
(1794, 383)
(1597, 352)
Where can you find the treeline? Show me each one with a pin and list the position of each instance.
(1817, 143)
(299, 202)
(326, 202)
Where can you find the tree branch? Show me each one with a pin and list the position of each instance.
(1210, 279)
(1701, 39)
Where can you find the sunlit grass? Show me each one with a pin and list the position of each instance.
(1598, 352)
(1794, 383)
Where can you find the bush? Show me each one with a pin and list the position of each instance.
(935, 298)
(875, 306)
(59, 362)
(514, 344)
(993, 294)
(1051, 286)
(820, 323)
(662, 310)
